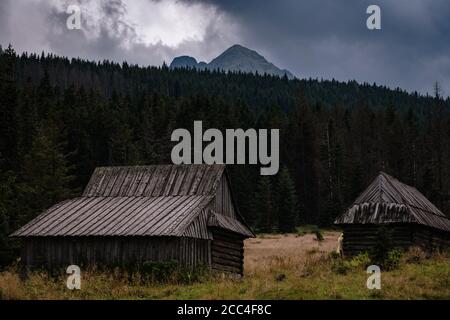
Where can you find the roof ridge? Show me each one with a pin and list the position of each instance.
(380, 189)
(394, 187)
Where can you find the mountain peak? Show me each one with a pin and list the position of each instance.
(184, 61)
(235, 58)
(238, 47)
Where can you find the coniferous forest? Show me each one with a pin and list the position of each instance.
(60, 118)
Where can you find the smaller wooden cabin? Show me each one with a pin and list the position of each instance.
(130, 215)
(412, 219)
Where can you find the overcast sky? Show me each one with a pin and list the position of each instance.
(317, 38)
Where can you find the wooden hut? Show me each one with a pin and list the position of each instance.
(411, 218)
(129, 215)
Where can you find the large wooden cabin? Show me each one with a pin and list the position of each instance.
(130, 215)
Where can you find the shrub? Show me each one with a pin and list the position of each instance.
(335, 255)
(186, 275)
(362, 260)
(383, 244)
(171, 271)
(319, 235)
(415, 255)
(280, 277)
(307, 229)
(447, 252)
(159, 271)
(392, 260)
(340, 266)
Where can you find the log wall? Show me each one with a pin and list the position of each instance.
(363, 237)
(431, 240)
(227, 252)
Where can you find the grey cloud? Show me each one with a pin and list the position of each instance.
(329, 39)
(4, 24)
(43, 27)
(318, 39)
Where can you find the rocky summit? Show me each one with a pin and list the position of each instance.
(235, 58)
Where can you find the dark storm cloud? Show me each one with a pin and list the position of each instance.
(318, 39)
(329, 39)
(105, 39)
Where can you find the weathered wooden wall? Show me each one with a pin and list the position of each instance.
(56, 252)
(199, 227)
(227, 252)
(430, 239)
(359, 238)
(223, 202)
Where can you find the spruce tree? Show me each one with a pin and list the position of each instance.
(5, 247)
(263, 205)
(287, 205)
(8, 109)
(46, 173)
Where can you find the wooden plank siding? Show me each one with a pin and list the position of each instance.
(130, 252)
(199, 227)
(223, 202)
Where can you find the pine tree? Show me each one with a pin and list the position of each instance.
(5, 247)
(8, 109)
(263, 205)
(300, 149)
(46, 173)
(287, 205)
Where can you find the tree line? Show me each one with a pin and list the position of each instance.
(60, 118)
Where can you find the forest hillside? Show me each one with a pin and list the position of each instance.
(60, 118)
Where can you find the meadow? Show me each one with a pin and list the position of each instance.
(294, 266)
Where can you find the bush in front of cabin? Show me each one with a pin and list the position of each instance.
(392, 260)
(384, 254)
(343, 266)
(171, 271)
(159, 271)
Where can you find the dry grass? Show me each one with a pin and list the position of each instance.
(276, 267)
(278, 252)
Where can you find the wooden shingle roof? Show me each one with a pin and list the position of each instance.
(153, 181)
(135, 201)
(228, 223)
(387, 200)
(117, 216)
